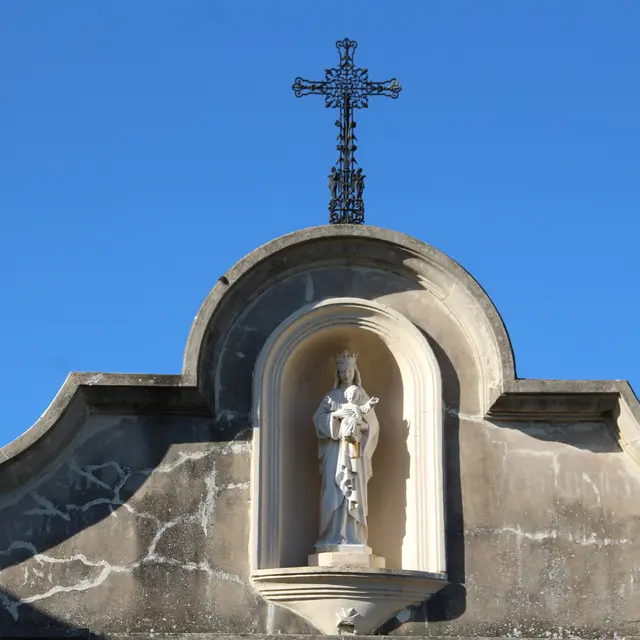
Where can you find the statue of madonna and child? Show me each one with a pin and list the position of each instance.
(348, 430)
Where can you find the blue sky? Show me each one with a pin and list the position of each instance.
(147, 146)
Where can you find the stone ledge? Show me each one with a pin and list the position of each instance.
(327, 597)
(613, 401)
(561, 406)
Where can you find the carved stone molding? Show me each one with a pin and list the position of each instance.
(341, 600)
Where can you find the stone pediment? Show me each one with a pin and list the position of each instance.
(173, 421)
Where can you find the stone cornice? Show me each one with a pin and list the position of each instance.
(613, 401)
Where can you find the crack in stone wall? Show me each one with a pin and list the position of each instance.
(47, 547)
(144, 525)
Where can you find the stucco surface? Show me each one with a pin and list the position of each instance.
(126, 507)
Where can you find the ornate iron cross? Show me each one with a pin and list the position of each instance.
(346, 88)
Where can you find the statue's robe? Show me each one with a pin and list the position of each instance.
(343, 497)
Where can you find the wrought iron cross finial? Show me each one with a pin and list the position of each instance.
(346, 88)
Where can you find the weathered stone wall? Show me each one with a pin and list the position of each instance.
(549, 534)
(143, 524)
(129, 510)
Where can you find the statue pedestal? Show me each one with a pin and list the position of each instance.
(346, 555)
(336, 598)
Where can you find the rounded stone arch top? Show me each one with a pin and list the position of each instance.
(353, 246)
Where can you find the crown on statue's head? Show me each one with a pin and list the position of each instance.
(344, 357)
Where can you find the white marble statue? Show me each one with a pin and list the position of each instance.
(348, 430)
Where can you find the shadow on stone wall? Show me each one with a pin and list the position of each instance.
(97, 474)
(102, 474)
(451, 602)
(37, 624)
(594, 436)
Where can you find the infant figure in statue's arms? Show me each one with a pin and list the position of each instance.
(353, 423)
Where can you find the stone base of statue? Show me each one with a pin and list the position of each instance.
(346, 555)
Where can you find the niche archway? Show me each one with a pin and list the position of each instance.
(287, 374)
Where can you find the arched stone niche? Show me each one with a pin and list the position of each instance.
(406, 513)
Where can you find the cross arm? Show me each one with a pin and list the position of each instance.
(390, 88)
(302, 87)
